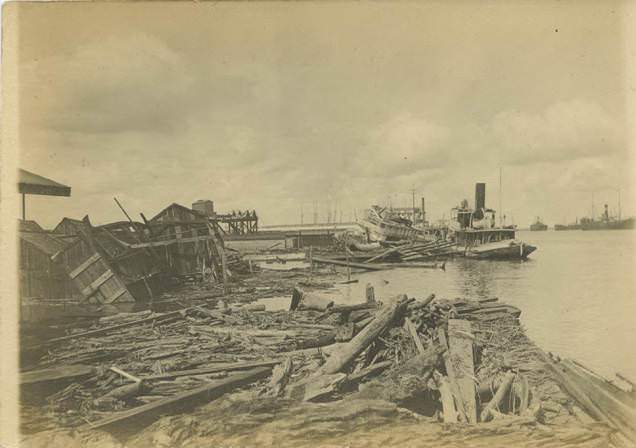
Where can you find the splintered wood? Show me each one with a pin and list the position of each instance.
(460, 366)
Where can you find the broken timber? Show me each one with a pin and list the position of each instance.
(62, 373)
(346, 354)
(493, 405)
(369, 267)
(212, 369)
(162, 318)
(146, 413)
(460, 367)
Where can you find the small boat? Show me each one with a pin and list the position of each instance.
(501, 250)
(538, 226)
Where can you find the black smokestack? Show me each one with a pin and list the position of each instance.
(480, 195)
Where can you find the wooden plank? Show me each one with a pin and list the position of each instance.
(145, 414)
(410, 327)
(460, 357)
(86, 263)
(95, 284)
(170, 242)
(227, 367)
(446, 397)
(369, 267)
(117, 294)
(100, 331)
(620, 413)
(68, 372)
(454, 387)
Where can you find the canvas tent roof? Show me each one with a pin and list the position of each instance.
(30, 183)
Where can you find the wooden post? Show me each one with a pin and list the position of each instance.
(460, 357)
(446, 397)
(23, 206)
(347, 252)
(311, 263)
(370, 293)
(220, 250)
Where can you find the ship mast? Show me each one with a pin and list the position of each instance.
(500, 209)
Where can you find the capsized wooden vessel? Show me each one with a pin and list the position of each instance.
(501, 250)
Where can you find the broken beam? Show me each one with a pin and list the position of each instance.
(142, 415)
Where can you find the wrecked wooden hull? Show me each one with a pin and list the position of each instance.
(502, 250)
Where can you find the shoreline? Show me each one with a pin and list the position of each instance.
(200, 339)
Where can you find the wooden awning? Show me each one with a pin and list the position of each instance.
(30, 183)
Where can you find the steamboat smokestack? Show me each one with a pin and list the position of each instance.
(480, 195)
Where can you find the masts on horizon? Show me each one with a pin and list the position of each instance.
(501, 223)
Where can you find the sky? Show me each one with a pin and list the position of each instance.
(283, 107)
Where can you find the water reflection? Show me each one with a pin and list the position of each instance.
(577, 293)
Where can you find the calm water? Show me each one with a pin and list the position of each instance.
(577, 293)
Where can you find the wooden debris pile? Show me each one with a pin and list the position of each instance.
(451, 361)
(411, 251)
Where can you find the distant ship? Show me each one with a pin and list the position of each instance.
(575, 226)
(607, 222)
(538, 225)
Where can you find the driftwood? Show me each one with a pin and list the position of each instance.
(417, 305)
(493, 405)
(521, 390)
(354, 378)
(124, 392)
(125, 374)
(309, 301)
(446, 397)
(622, 415)
(345, 332)
(382, 320)
(369, 267)
(369, 293)
(452, 381)
(217, 315)
(385, 253)
(145, 414)
(460, 356)
(62, 373)
(280, 377)
(319, 387)
(212, 369)
(163, 318)
(441, 266)
(410, 327)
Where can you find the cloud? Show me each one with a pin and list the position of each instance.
(566, 130)
(403, 145)
(121, 84)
